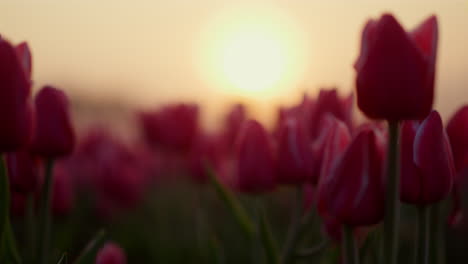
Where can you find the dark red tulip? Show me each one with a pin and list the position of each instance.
(351, 188)
(23, 170)
(63, 191)
(111, 253)
(233, 123)
(24, 54)
(457, 130)
(207, 150)
(54, 136)
(255, 168)
(15, 113)
(173, 127)
(328, 101)
(395, 70)
(295, 159)
(427, 169)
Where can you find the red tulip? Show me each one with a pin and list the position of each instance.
(427, 169)
(54, 135)
(111, 253)
(173, 127)
(351, 188)
(24, 54)
(395, 70)
(295, 160)
(15, 114)
(206, 150)
(329, 102)
(255, 168)
(457, 130)
(63, 192)
(233, 123)
(23, 170)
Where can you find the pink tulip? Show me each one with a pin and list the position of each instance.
(233, 123)
(111, 253)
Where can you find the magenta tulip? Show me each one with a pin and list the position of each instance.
(427, 169)
(395, 70)
(23, 170)
(255, 168)
(207, 150)
(233, 123)
(457, 130)
(24, 54)
(111, 253)
(15, 113)
(295, 159)
(351, 188)
(54, 136)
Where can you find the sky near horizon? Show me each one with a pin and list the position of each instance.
(258, 51)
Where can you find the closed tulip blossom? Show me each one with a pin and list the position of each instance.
(255, 161)
(457, 130)
(233, 123)
(15, 113)
(111, 253)
(351, 188)
(207, 150)
(295, 159)
(54, 136)
(427, 169)
(24, 55)
(172, 127)
(23, 170)
(395, 69)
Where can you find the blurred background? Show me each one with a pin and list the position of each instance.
(113, 57)
(120, 54)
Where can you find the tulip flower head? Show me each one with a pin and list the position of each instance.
(395, 69)
(295, 159)
(15, 113)
(255, 168)
(457, 130)
(111, 253)
(427, 169)
(54, 135)
(351, 187)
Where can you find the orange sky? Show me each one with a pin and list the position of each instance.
(146, 52)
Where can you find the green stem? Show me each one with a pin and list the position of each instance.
(294, 233)
(392, 208)
(349, 246)
(46, 220)
(266, 236)
(437, 241)
(31, 229)
(423, 235)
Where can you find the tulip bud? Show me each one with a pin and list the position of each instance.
(395, 70)
(233, 123)
(206, 151)
(173, 127)
(255, 161)
(15, 114)
(24, 54)
(427, 169)
(54, 136)
(328, 102)
(111, 253)
(351, 188)
(63, 193)
(457, 130)
(23, 170)
(295, 160)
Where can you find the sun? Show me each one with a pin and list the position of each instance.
(253, 52)
(253, 59)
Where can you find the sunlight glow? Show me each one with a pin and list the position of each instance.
(253, 52)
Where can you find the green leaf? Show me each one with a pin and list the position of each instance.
(268, 241)
(240, 214)
(89, 252)
(63, 259)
